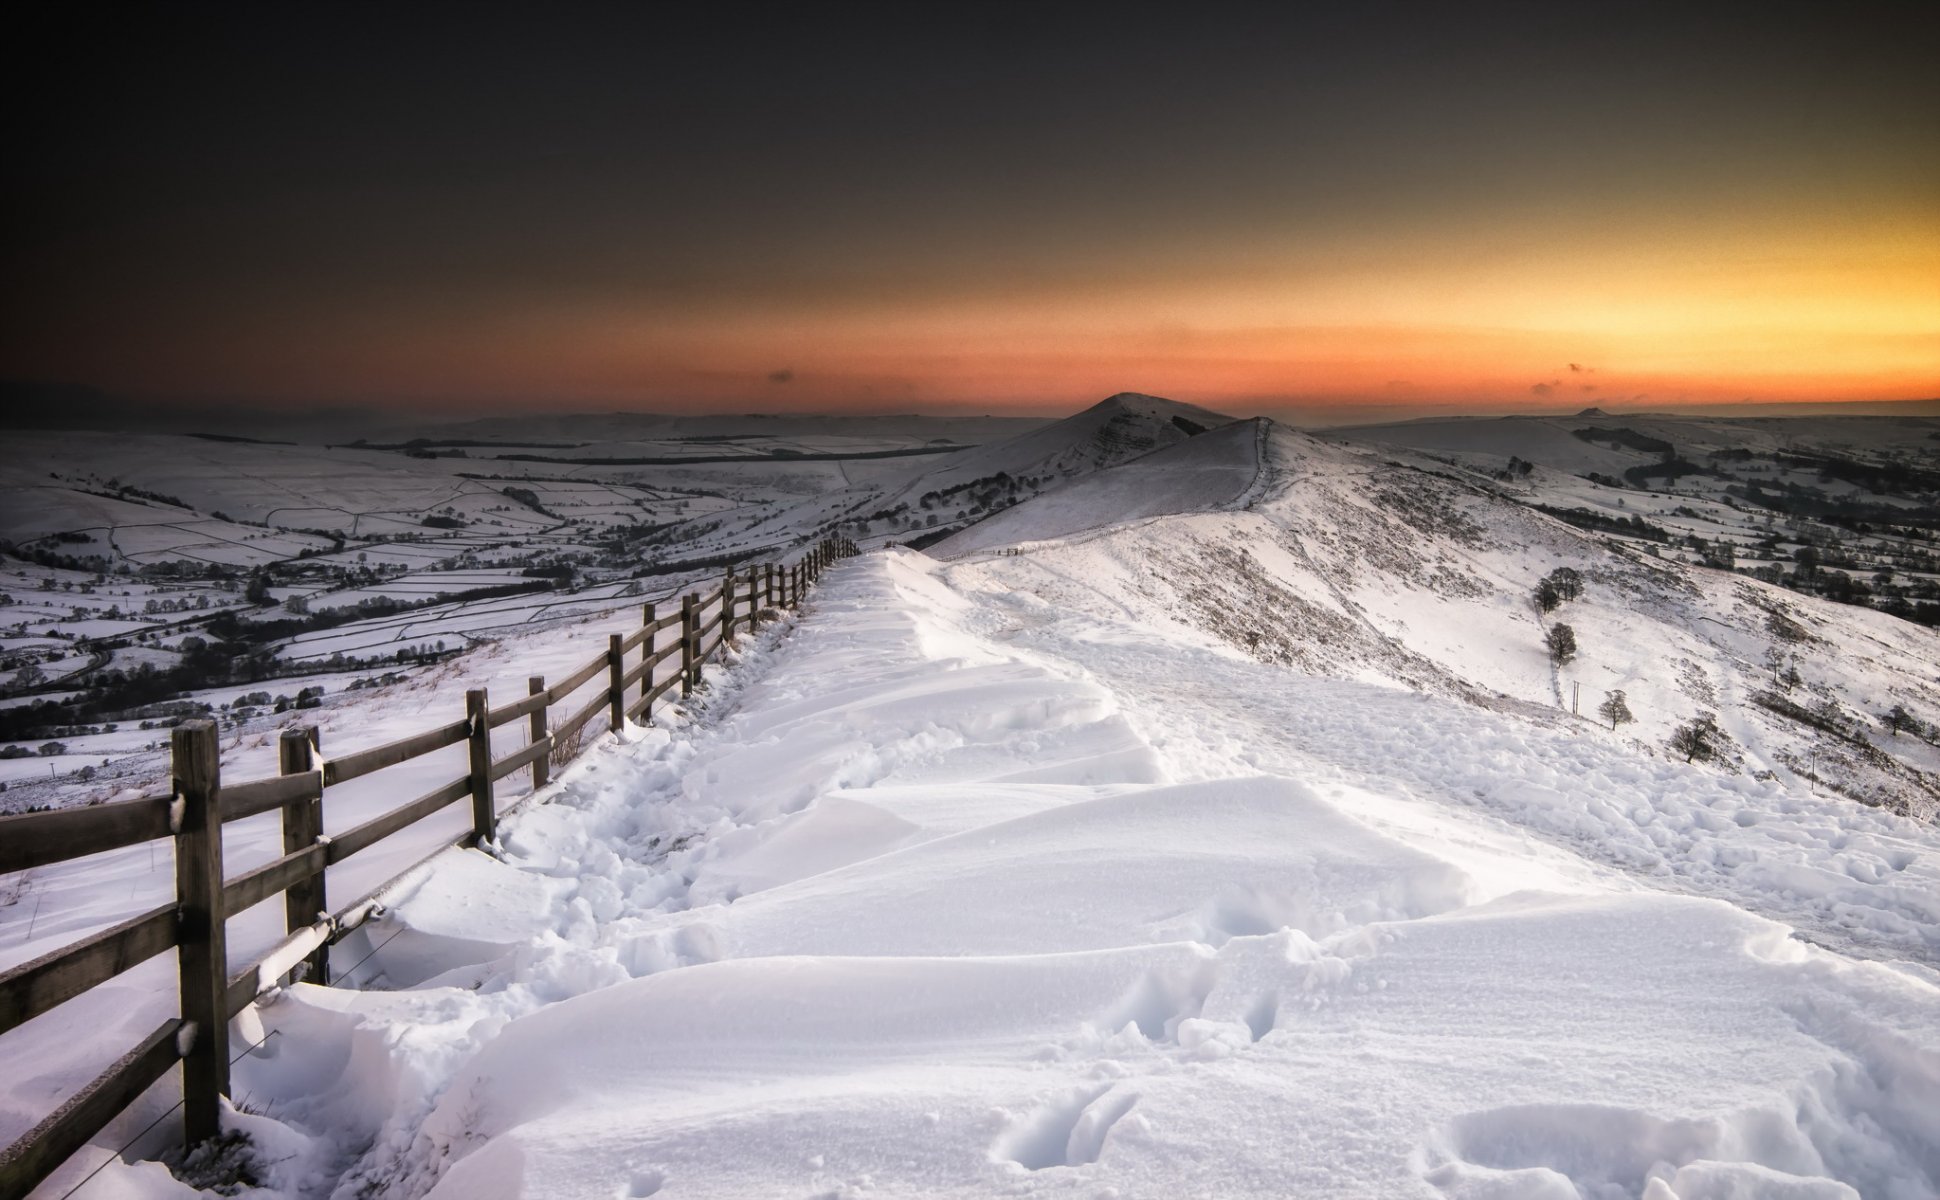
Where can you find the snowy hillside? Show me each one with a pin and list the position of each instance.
(957, 489)
(1341, 562)
(1212, 823)
(959, 889)
(144, 577)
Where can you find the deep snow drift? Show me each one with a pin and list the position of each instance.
(951, 890)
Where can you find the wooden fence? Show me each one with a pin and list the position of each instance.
(194, 925)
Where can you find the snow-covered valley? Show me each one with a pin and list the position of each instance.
(1214, 823)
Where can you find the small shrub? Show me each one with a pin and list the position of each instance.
(1697, 738)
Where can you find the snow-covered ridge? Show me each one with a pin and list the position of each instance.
(1336, 560)
(956, 489)
(956, 890)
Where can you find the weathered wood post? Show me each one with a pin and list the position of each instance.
(690, 636)
(727, 607)
(203, 956)
(484, 811)
(754, 600)
(302, 826)
(615, 682)
(541, 767)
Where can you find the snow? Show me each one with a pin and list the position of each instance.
(1211, 825)
(1214, 470)
(942, 892)
(944, 491)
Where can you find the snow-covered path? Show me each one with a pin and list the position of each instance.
(953, 892)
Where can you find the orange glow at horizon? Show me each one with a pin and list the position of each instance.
(1708, 319)
(1697, 313)
(1297, 207)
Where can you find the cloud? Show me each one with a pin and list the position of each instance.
(1541, 389)
(1580, 369)
(781, 376)
(1588, 387)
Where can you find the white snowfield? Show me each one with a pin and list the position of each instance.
(1204, 828)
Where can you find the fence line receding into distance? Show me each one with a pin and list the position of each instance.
(192, 817)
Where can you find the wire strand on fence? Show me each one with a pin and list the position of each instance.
(148, 1128)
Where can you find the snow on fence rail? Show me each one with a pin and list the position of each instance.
(193, 816)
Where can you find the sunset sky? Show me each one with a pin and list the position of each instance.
(1411, 208)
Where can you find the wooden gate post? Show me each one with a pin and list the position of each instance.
(615, 682)
(541, 767)
(302, 826)
(203, 957)
(690, 622)
(484, 811)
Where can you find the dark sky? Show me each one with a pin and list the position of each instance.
(1415, 206)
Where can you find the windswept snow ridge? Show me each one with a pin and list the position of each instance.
(954, 890)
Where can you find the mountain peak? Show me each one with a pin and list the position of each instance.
(1139, 404)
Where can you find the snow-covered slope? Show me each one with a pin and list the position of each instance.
(1211, 472)
(1211, 824)
(1340, 562)
(955, 489)
(957, 891)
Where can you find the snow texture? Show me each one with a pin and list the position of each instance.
(1203, 828)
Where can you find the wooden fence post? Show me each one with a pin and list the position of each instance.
(690, 625)
(649, 645)
(615, 682)
(302, 826)
(541, 768)
(203, 957)
(727, 607)
(754, 601)
(484, 811)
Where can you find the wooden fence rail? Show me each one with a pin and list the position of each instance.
(192, 816)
